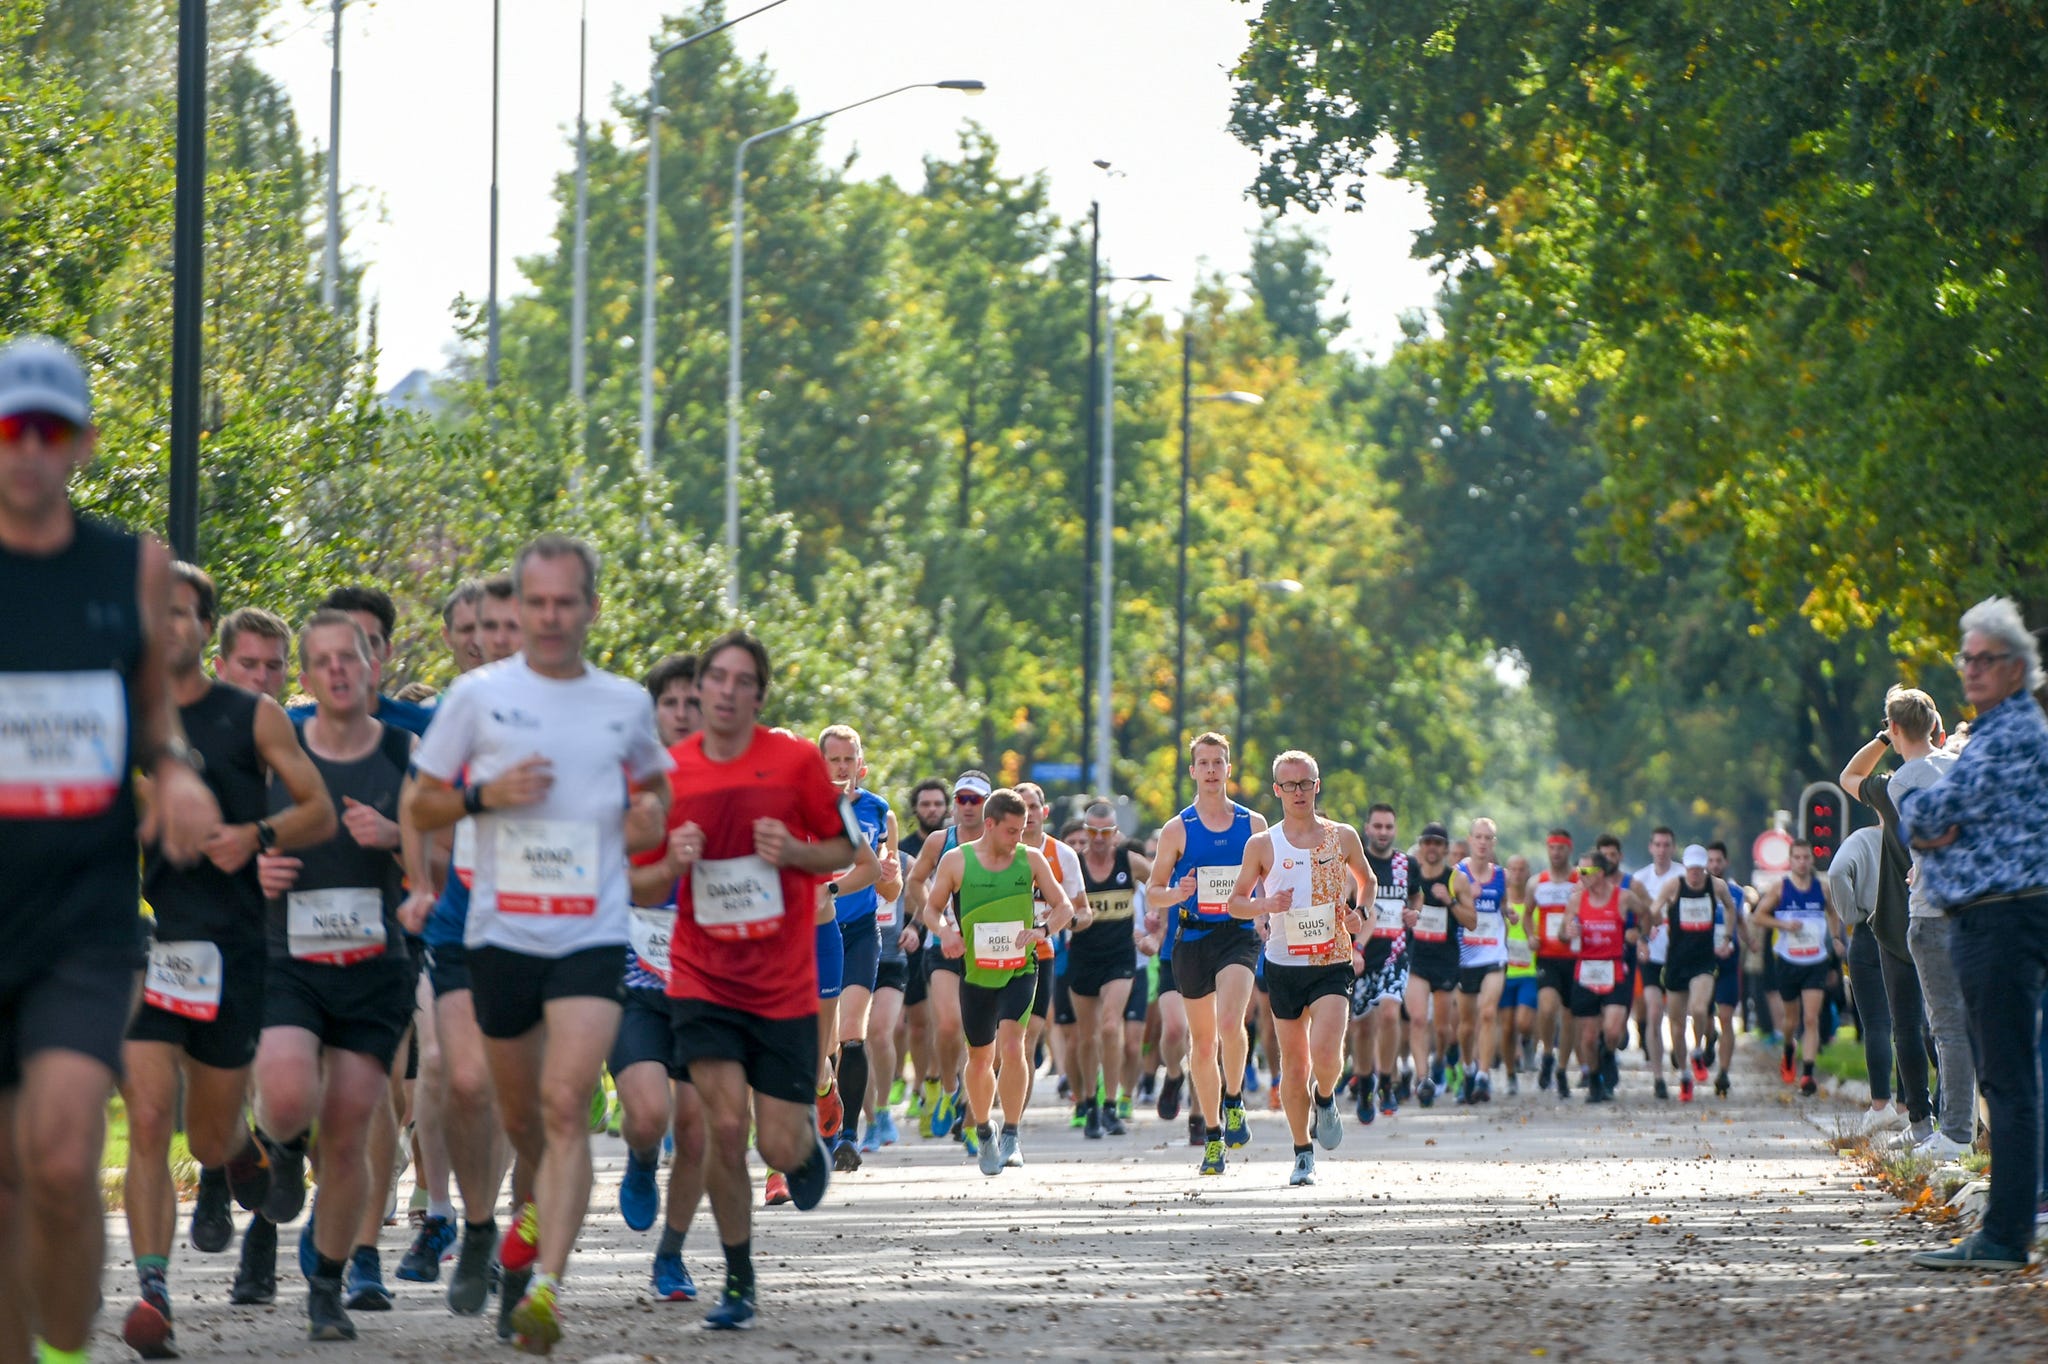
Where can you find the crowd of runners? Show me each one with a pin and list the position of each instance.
(424, 929)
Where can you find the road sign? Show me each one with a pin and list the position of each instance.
(1044, 772)
(1772, 852)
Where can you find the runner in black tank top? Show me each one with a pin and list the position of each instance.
(202, 1000)
(84, 701)
(1102, 961)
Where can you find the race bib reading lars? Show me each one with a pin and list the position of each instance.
(184, 979)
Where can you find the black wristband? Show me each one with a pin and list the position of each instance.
(266, 836)
(473, 798)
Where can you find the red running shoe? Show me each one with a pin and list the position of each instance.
(776, 1192)
(1685, 1089)
(521, 1246)
(831, 1114)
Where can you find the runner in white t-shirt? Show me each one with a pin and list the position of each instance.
(1646, 886)
(551, 745)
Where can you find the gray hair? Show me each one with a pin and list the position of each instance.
(1999, 618)
(553, 546)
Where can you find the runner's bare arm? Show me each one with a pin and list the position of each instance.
(1764, 915)
(865, 871)
(891, 884)
(1361, 872)
(1051, 891)
(939, 890)
(311, 817)
(777, 846)
(182, 811)
(1464, 899)
(1258, 859)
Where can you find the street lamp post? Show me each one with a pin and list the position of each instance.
(647, 262)
(330, 250)
(579, 304)
(1105, 525)
(1286, 586)
(491, 308)
(737, 285)
(1188, 399)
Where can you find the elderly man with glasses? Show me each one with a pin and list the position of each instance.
(1982, 832)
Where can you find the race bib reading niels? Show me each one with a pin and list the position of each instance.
(547, 866)
(737, 897)
(1597, 976)
(338, 926)
(649, 931)
(1312, 931)
(63, 741)
(184, 979)
(995, 946)
(1212, 889)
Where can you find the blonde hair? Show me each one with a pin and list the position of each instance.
(1295, 755)
(846, 733)
(1912, 711)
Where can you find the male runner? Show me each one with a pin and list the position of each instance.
(372, 609)
(1646, 885)
(756, 824)
(1480, 890)
(1597, 927)
(991, 931)
(1200, 853)
(339, 984)
(1102, 959)
(1798, 908)
(552, 748)
(1518, 993)
(892, 977)
(1551, 897)
(1688, 908)
(85, 701)
(672, 683)
(929, 801)
(1433, 973)
(855, 907)
(1382, 986)
(943, 1113)
(1067, 864)
(202, 1001)
(1730, 933)
(1301, 863)
(255, 651)
(459, 625)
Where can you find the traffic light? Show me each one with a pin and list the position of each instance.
(1823, 820)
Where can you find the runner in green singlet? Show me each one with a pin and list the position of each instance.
(1518, 997)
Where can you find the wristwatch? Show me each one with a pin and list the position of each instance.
(473, 798)
(1884, 736)
(266, 836)
(178, 751)
(832, 889)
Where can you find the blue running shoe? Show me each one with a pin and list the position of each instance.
(672, 1281)
(872, 1142)
(807, 1185)
(365, 1288)
(941, 1114)
(309, 1258)
(957, 1106)
(639, 1192)
(435, 1243)
(1251, 1077)
(1236, 1132)
(887, 1125)
(734, 1311)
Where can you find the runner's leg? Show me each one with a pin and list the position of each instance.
(149, 1091)
(56, 1131)
(579, 1032)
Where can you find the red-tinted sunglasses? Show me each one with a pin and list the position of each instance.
(966, 798)
(49, 428)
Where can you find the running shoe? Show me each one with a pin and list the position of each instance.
(1404, 1088)
(325, 1319)
(1564, 1086)
(672, 1281)
(1425, 1093)
(256, 1276)
(1389, 1105)
(1078, 1117)
(886, 1122)
(990, 1156)
(1367, 1102)
(147, 1330)
(1169, 1098)
(309, 1258)
(1515, 1081)
(1273, 1097)
(1091, 1122)
(1013, 1159)
(1450, 1078)
(734, 1311)
(1939, 1149)
(1329, 1128)
(213, 1226)
(366, 1290)
(1113, 1122)
(1212, 1158)
(1304, 1169)
(469, 1287)
(536, 1324)
(287, 1194)
(1660, 1089)
(1543, 1076)
(521, 1245)
(248, 1177)
(916, 1114)
(1482, 1091)
(958, 1108)
(940, 1115)
(511, 1292)
(1808, 1088)
(1198, 1131)
(1721, 1085)
(1685, 1089)
(831, 1113)
(1236, 1131)
(1148, 1085)
(1890, 1118)
(1251, 1076)
(871, 1140)
(777, 1191)
(845, 1155)
(1785, 1071)
(1707, 1052)
(807, 1185)
(640, 1191)
(1123, 1110)
(1699, 1068)
(896, 1091)
(1973, 1253)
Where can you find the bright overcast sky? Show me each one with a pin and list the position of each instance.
(1142, 83)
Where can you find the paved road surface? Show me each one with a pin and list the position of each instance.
(1722, 1230)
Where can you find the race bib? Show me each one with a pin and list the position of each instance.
(1519, 953)
(184, 979)
(995, 946)
(547, 866)
(1486, 933)
(649, 931)
(889, 916)
(338, 926)
(1721, 936)
(1386, 916)
(463, 858)
(1212, 888)
(1597, 976)
(736, 898)
(1696, 915)
(1433, 924)
(1553, 924)
(1310, 932)
(63, 744)
(1801, 939)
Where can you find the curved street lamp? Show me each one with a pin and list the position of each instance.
(733, 311)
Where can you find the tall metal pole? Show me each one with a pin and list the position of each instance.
(735, 283)
(491, 321)
(579, 306)
(330, 251)
(647, 267)
(1244, 633)
(1105, 517)
(1089, 420)
(188, 265)
(1180, 591)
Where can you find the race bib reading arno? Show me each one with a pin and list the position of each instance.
(547, 866)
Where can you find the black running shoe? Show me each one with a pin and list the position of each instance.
(1169, 1097)
(213, 1226)
(325, 1318)
(287, 1197)
(256, 1276)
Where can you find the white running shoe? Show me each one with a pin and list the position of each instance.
(1876, 1121)
(1304, 1170)
(1939, 1149)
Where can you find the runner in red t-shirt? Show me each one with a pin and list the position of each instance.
(754, 822)
(1597, 928)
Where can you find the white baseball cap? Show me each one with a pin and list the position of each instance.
(1695, 856)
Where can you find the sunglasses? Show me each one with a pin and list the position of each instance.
(1101, 833)
(966, 798)
(48, 427)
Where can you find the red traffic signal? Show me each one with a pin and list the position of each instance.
(1823, 820)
